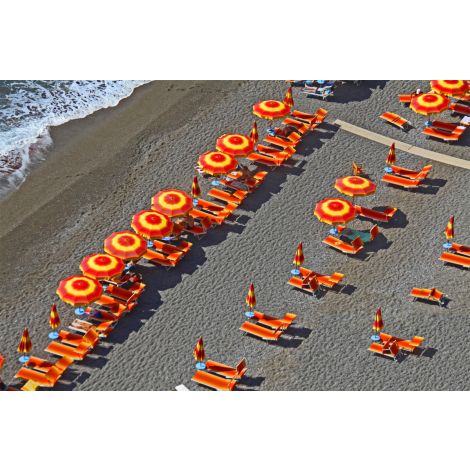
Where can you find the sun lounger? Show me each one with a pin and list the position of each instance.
(323, 92)
(236, 198)
(198, 229)
(213, 381)
(273, 322)
(408, 345)
(399, 181)
(433, 295)
(349, 248)
(265, 160)
(280, 142)
(443, 135)
(90, 339)
(453, 258)
(275, 153)
(252, 182)
(412, 174)
(307, 284)
(76, 353)
(301, 127)
(232, 373)
(323, 280)
(389, 349)
(41, 379)
(43, 373)
(261, 332)
(103, 328)
(160, 259)
(405, 99)
(43, 365)
(460, 249)
(126, 296)
(181, 248)
(363, 235)
(460, 109)
(105, 302)
(447, 126)
(293, 136)
(384, 216)
(395, 119)
(316, 118)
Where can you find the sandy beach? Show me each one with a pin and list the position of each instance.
(104, 168)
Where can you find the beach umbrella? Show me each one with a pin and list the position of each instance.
(357, 170)
(254, 132)
(2, 361)
(236, 145)
(172, 202)
(195, 190)
(391, 158)
(25, 346)
(378, 325)
(334, 211)
(450, 87)
(217, 163)
(298, 259)
(151, 224)
(271, 109)
(288, 98)
(313, 283)
(428, 104)
(125, 245)
(199, 354)
(449, 232)
(355, 186)
(54, 322)
(251, 301)
(79, 291)
(101, 266)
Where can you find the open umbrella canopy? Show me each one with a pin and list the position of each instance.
(391, 157)
(152, 224)
(195, 189)
(101, 266)
(299, 256)
(217, 163)
(449, 230)
(429, 103)
(199, 354)
(450, 87)
(54, 320)
(79, 291)
(25, 345)
(271, 109)
(172, 202)
(334, 211)
(254, 132)
(355, 186)
(378, 322)
(125, 245)
(236, 145)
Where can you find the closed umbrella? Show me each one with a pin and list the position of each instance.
(391, 158)
(254, 133)
(298, 259)
(251, 301)
(378, 325)
(199, 354)
(195, 190)
(449, 232)
(25, 346)
(54, 322)
(288, 98)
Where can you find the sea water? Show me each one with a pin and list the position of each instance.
(28, 108)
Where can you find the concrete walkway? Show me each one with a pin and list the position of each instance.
(381, 139)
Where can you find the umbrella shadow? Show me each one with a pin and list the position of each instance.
(349, 92)
(314, 140)
(250, 383)
(380, 242)
(427, 352)
(399, 219)
(347, 289)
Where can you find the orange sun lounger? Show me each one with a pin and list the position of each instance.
(432, 295)
(443, 135)
(251, 182)
(76, 353)
(265, 160)
(389, 349)
(103, 328)
(301, 127)
(395, 119)
(236, 198)
(169, 261)
(453, 258)
(306, 284)
(273, 322)
(105, 302)
(90, 338)
(323, 280)
(372, 214)
(232, 373)
(261, 332)
(406, 344)
(126, 296)
(168, 248)
(294, 137)
(460, 249)
(43, 373)
(198, 230)
(412, 174)
(316, 118)
(280, 142)
(399, 181)
(214, 381)
(447, 126)
(349, 248)
(460, 109)
(275, 153)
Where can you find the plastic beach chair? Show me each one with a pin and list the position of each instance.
(265, 160)
(42, 372)
(272, 152)
(379, 216)
(460, 249)
(167, 248)
(454, 258)
(236, 197)
(301, 127)
(232, 373)
(316, 118)
(160, 259)
(349, 248)
(395, 119)
(261, 332)
(433, 295)
(103, 328)
(214, 381)
(273, 322)
(399, 181)
(251, 182)
(409, 345)
(443, 135)
(460, 109)
(280, 142)
(323, 280)
(90, 338)
(412, 174)
(389, 349)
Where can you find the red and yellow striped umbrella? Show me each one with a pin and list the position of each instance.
(271, 109)
(299, 256)
(195, 189)
(2, 361)
(355, 186)
(172, 202)
(199, 354)
(357, 169)
(254, 133)
(334, 211)
(125, 245)
(236, 145)
(378, 322)
(429, 103)
(250, 298)
(54, 320)
(450, 87)
(101, 266)
(217, 163)
(25, 345)
(289, 99)
(79, 291)
(391, 157)
(152, 224)
(449, 230)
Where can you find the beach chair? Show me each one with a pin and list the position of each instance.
(42, 373)
(443, 135)
(293, 136)
(280, 142)
(323, 92)
(261, 332)
(103, 328)
(301, 127)
(251, 182)
(232, 373)
(460, 109)
(128, 297)
(265, 160)
(216, 213)
(395, 119)
(432, 295)
(349, 248)
(77, 353)
(236, 197)
(388, 349)
(310, 119)
(214, 381)
(323, 280)
(460, 249)
(105, 302)
(384, 216)
(405, 99)
(447, 126)
(408, 345)
(399, 181)
(91, 338)
(160, 259)
(275, 153)
(273, 322)
(307, 284)
(412, 174)
(198, 230)
(454, 258)
(183, 246)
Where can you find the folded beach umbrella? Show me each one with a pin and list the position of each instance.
(391, 157)
(251, 301)
(79, 291)
(195, 190)
(126, 245)
(172, 202)
(271, 109)
(428, 104)
(2, 361)
(450, 87)
(199, 354)
(378, 325)
(101, 266)
(288, 98)
(334, 211)
(357, 170)
(254, 132)
(25, 346)
(236, 145)
(151, 224)
(217, 163)
(355, 186)
(449, 231)
(54, 322)
(298, 259)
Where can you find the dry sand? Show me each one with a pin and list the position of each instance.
(106, 167)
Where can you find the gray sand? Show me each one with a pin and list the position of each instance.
(106, 167)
